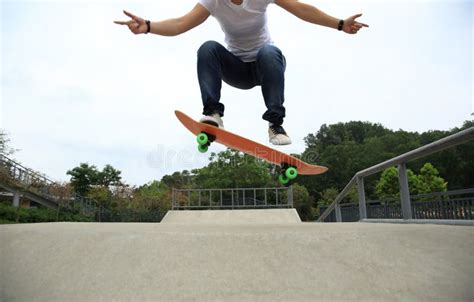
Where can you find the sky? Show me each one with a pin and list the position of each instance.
(75, 87)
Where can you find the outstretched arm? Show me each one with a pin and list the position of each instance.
(313, 15)
(170, 27)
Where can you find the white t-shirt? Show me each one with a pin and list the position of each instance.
(244, 25)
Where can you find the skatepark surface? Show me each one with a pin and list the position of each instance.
(236, 260)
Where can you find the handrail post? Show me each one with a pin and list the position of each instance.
(290, 196)
(338, 212)
(404, 191)
(173, 199)
(361, 190)
(16, 199)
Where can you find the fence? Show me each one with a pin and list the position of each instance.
(444, 205)
(241, 198)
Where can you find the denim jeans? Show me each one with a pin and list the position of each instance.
(216, 63)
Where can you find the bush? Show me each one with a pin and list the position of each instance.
(8, 214)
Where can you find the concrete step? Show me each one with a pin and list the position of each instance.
(264, 216)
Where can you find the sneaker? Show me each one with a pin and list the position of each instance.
(277, 135)
(213, 119)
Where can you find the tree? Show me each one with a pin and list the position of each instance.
(155, 195)
(302, 202)
(178, 180)
(428, 181)
(233, 169)
(83, 177)
(328, 196)
(109, 176)
(388, 184)
(5, 148)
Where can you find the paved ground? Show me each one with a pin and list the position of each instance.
(229, 262)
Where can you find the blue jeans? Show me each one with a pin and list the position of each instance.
(216, 63)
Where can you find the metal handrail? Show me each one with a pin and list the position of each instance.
(27, 176)
(434, 147)
(28, 171)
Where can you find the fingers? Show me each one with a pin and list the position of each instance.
(355, 29)
(354, 26)
(356, 22)
(133, 24)
(130, 23)
(131, 15)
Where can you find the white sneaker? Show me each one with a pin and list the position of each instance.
(213, 119)
(277, 135)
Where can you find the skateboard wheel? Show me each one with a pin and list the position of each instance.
(291, 173)
(283, 179)
(202, 139)
(202, 148)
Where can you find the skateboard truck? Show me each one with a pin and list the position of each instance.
(287, 173)
(204, 141)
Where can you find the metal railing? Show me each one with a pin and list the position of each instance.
(25, 177)
(14, 175)
(458, 205)
(400, 161)
(232, 198)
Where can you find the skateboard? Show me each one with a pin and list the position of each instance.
(207, 134)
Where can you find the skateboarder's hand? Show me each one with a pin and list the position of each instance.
(136, 25)
(351, 26)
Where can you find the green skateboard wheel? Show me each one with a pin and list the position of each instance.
(202, 138)
(202, 148)
(283, 179)
(291, 173)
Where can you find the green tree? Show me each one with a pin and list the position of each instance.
(328, 196)
(100, 194)
(109, 176)
(178, 180)
(302, 202)
(388, 184)
(155, 195)
(233, 169)
(83, 178)
(429, 180)
(86, 176)
(346, 148)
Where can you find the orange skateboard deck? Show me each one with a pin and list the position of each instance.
(237, 142)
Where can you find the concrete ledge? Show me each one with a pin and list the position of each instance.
(422, 221)
(260, 216)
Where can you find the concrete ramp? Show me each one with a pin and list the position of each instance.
(264, 216)
(248, 262)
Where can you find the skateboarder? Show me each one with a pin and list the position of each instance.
(250, 59)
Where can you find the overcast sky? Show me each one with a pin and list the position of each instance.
(75, 87)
